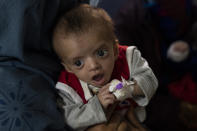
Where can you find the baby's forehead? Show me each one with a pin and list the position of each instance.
(94, 35)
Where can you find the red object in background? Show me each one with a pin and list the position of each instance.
(184, 89)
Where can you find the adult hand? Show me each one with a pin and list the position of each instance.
(111, 125)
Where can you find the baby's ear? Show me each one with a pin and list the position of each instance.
(66, 67)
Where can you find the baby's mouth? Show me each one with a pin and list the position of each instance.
(98, 79)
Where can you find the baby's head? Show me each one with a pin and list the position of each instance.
(85, 41)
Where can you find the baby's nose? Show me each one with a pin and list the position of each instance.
(93, 64)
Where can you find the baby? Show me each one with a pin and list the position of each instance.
(93, 61)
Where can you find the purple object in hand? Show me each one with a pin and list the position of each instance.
(119, 86)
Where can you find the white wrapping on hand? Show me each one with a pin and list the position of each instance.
(122, 90)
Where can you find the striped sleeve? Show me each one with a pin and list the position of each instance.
(142, 73)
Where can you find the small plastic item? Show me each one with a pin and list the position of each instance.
(122, 90)
(119, 86)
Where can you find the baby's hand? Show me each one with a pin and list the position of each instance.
(105, 97)
(122, 90)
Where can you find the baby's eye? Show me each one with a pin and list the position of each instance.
(101, 53)
(78, 63)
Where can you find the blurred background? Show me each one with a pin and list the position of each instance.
(165, 31)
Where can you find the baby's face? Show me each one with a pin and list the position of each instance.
(90, 56)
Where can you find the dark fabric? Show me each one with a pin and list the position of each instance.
(27, 102)
(28, 66)
(173, 24)
(184, 89)
(111, 6)
(133, 27)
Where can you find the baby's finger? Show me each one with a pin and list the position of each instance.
(109, 97)
(105, 88)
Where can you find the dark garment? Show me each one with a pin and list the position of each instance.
(177, 24)
(173, 24)
(28, 66)
(133, 27)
